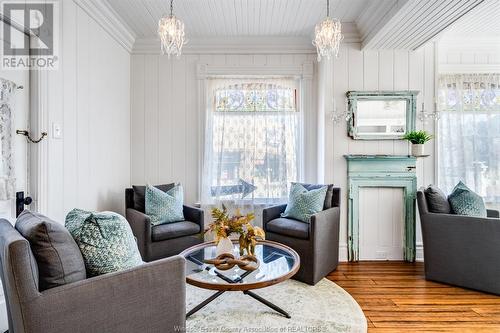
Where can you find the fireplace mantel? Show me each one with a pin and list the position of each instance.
(397, 171)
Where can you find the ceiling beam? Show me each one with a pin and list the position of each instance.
(404, 24)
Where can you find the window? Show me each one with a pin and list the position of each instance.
(469, 133)
(252, 144)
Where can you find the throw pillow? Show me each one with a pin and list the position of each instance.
(437, 201)
(57, 256)
(105, 240)
(140, 195)
(303, 203)
(328, 196)
(464, 201)
(164, 207)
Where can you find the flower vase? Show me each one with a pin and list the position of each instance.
(225, 245)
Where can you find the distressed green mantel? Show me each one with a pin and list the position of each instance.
(381, 171)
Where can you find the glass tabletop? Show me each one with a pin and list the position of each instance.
(277, 262)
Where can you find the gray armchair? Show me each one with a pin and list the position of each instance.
(165, 240)
(317, 242)
(461, 250)
(147, 298)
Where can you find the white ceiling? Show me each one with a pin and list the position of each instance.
(481, 22)
(238, 17)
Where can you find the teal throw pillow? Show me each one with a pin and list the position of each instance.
(303, 203)
(464, 201)
(105, 240)
(164, 207)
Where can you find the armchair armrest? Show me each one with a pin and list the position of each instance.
(325, 225)
(271, 213)
(492, 213)
(141, 227)
(147, 298)
(195, 215)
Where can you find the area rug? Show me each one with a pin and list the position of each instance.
(324, 307)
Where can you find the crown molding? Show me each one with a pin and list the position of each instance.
(102, 12)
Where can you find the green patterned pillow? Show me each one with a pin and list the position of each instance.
(464, 201)
(303, 203)
(105, 240)
(164, 207)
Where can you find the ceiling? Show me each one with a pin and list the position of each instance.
(481, 22)
(238, 17)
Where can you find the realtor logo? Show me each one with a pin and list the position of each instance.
(29, 35)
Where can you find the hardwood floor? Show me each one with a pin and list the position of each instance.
(395, 297)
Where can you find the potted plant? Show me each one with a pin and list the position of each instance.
(417, 139)
(225, 225)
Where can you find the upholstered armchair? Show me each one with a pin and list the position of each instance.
(461, 250)
(316, 242)
(147, 298)
(164, 240)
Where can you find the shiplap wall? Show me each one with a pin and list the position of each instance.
(377, 70)
(164, 115)
(89, 96)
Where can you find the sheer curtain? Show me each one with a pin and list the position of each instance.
(253, 142)
(7, 179)
(469, 133)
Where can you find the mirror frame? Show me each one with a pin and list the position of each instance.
(411, 110)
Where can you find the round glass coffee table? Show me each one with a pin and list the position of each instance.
(277, 263)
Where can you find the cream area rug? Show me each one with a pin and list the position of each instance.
(324, 307)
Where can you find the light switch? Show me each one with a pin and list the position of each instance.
(56, 131)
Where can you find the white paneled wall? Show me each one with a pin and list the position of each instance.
(165, 116)
(376, 70)
(480, 55)
(89, 96)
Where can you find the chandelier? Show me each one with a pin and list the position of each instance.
(327, 36)
(171, 32)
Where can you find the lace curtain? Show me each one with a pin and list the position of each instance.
(469, 133)
(7, 180)
(252, 142)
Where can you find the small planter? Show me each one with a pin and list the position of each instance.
(417, 149)
(225, 245)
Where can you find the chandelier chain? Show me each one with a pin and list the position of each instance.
(328, 8)
(171, 7)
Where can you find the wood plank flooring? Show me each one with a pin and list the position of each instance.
(395, 297)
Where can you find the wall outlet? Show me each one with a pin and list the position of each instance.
(56, 131)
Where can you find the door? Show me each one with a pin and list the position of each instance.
(18, 102)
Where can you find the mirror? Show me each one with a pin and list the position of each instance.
(381, 115)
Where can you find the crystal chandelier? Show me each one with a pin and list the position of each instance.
(171, 32)
(327, 36)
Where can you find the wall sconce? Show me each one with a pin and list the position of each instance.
(340, 116)
(424, 116)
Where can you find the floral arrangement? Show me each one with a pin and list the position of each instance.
(224, 225)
